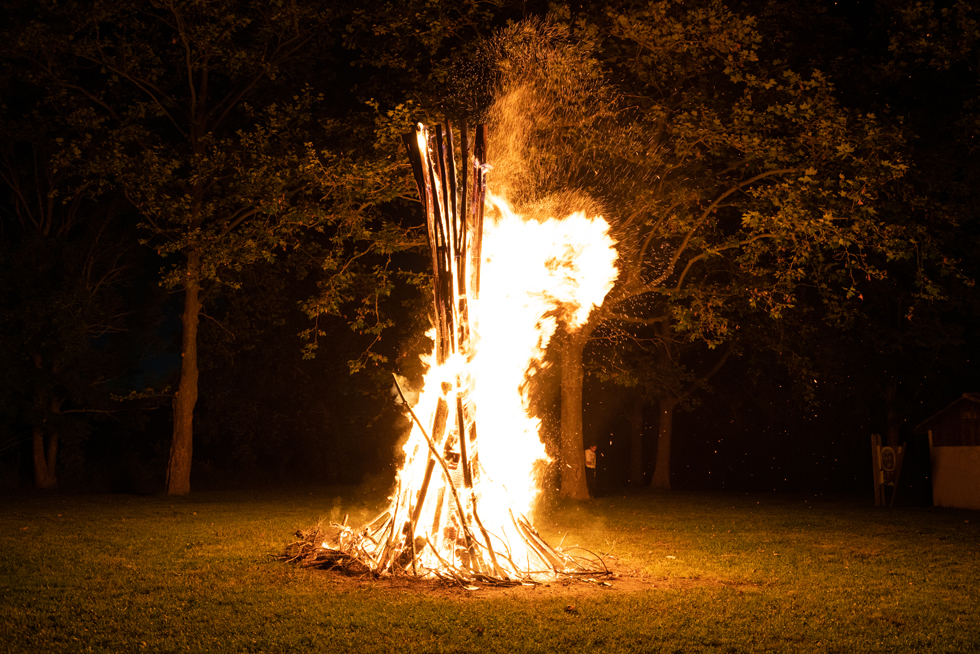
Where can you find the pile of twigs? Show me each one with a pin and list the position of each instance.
(352, 552)
(310, 551)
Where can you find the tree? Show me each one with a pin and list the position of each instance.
(63, 259)
(741, 188)
(210, 121)
(659, 365)
(929, 73)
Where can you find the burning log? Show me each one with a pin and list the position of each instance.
(435, 523)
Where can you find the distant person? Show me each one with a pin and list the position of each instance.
(590, 470)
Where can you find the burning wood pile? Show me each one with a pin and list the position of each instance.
(453, 514)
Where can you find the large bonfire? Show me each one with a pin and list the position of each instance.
(502, 285)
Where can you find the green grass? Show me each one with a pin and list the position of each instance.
(726, 573)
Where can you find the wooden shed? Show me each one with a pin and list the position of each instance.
(954, 448)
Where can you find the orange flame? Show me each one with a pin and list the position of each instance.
(535, 274)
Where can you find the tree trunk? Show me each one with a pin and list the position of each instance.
(636, 438)
(572, 459)
(179, 467)
(45, 459)
(661, 474)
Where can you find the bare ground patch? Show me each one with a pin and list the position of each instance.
(620, 580)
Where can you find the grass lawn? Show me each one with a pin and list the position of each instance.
(702, 573)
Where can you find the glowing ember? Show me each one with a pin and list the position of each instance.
(501, 287)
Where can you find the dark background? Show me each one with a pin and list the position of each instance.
(267, 415)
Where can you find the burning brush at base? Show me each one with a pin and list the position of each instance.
(342, 548)
(502, 286)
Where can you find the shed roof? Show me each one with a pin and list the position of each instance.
(968, 398)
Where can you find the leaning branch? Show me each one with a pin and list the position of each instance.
(712, 251)
(714, 205)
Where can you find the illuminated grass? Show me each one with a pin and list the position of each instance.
(748, 574)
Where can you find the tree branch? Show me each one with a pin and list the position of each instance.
(155, 94)
(706, 253)
(714, 205)
(231, 100)
(237, 219)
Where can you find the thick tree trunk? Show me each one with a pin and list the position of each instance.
(181, 448)
(661, 474)
(636, 438)
(572, 459)
(45, 459)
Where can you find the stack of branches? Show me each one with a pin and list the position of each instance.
(355, 552)
(457, 547)
(310, 551)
